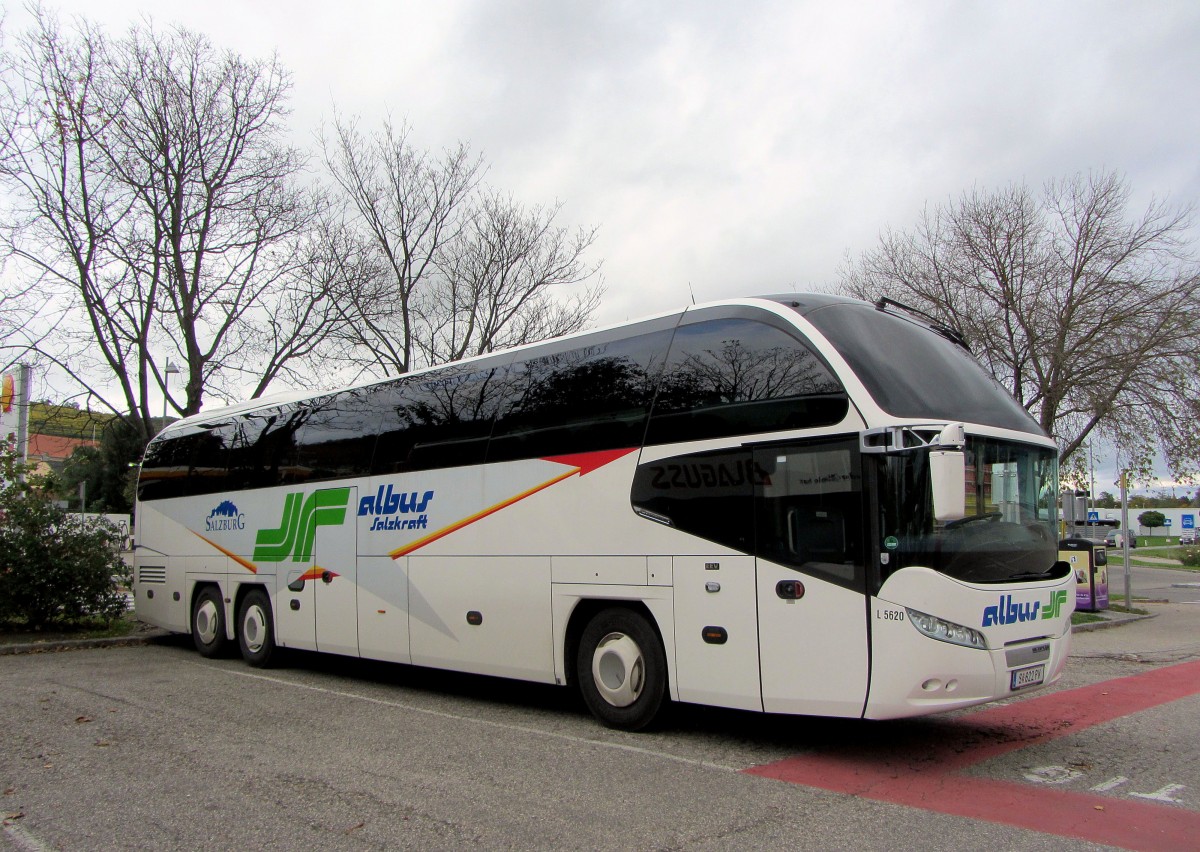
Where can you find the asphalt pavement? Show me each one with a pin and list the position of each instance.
(154, 747)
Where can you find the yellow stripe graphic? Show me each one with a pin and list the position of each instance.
(458, 525)
(249, 566)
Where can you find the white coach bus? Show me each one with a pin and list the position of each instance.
(796, 504)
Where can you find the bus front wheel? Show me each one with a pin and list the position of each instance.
(208, 623)
(621, 669)
(256, 629)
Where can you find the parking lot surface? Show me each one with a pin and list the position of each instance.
(154, 747)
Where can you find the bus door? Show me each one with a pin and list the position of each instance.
(334, 569)
(810, 578)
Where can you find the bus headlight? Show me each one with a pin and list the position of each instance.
(945, 631)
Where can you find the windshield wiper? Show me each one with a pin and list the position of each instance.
(1032, 575)
(953, 335)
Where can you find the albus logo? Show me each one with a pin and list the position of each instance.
(388, 501)
(1009, 611)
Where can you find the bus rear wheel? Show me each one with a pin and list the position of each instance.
(621, 669)
(208, 623)
(256, 629)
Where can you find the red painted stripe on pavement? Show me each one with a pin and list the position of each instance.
(1058, 714)
(921, 773)
(1113, 821)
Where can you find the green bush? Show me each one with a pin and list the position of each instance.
(54, 567)
(1190, 557)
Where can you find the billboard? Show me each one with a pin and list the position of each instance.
(14, 407)
(9, 409)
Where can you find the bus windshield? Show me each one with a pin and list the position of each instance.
(912, 372)
(1008, 533)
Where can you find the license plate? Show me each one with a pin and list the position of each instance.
(1028, 677)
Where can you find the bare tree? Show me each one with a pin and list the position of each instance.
(405, 206)
(1085, 312)
(153, 199)
(458, 270)
(499, 280)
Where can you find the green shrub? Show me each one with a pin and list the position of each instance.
(54, 567)
(1190, 557)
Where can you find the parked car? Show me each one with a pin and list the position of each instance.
(1114, 539)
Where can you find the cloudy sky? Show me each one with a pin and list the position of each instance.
(739, 148)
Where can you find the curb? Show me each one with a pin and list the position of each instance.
(1114, 621)
(82, 644)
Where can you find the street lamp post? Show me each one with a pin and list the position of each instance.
(172, 368)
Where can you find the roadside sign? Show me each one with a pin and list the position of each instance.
(1189, 522)
(1167, 522)
(1093, 517)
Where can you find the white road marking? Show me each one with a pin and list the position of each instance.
(1111, 784)
(1053, 775)
(441, 714)
(1162, 795)
(22, 839)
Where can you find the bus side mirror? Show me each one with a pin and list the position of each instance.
(948, 476)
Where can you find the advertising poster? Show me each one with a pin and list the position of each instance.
(9, 411)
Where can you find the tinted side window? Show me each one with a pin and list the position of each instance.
(338, 439)
(184, 465)
(440, 419)
(710, 495)
(810, 509)
(741, 376)
(264, 447)
(594, 397)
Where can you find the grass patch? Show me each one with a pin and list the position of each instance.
(18, 633)
(1085, 618)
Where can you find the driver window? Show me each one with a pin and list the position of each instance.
(810, 509)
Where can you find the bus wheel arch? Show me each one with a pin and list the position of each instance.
(619, 663)
(210, 633)
(255, 626)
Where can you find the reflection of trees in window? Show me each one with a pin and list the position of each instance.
(189, 464)
(593, 398)
(739, 372)
(440, 419)
(732, 376)
(264, 447)
(339, 435)
(457, 395)
(576, 386)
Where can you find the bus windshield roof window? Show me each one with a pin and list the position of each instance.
(911, 371)
(1009, 532)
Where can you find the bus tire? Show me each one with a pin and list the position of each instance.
(256, 629)
(621, 669)
(208, 623)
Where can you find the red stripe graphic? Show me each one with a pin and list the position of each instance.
(583, 464)
(927, 777)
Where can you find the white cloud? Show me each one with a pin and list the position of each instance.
(741, 148)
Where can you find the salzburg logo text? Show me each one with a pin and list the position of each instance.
(225, 517)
